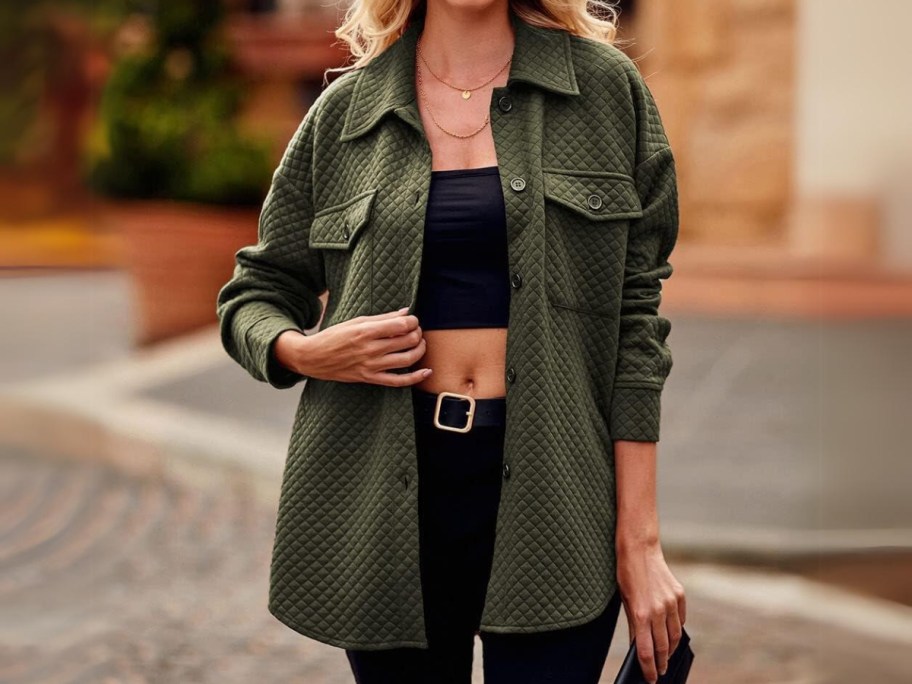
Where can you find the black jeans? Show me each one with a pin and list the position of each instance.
(460, 477)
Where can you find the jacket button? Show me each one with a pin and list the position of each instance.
(516, 280)
(594, 202)
(506, 471)
(346, 233)
(511, 374)
(518, 184)
(505, 103)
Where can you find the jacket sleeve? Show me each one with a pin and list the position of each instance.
(644, 357)
(277, 281)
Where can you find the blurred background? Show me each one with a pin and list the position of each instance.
(140, 467)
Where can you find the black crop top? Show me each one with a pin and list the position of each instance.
(464, 280)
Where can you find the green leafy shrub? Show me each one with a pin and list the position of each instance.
(166, 125)
(34, 66)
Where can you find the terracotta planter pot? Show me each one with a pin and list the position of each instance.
(178, 254)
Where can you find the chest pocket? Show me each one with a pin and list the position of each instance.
(338, 226)
(343, 231)
(588, 214)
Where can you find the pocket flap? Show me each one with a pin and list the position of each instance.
(338, 226)
(598, 196)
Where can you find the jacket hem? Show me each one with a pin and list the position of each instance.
(341, 643)
(561, 624)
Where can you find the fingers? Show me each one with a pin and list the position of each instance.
(673, 626)
(393, 324)
(675, 622)
(666, 632)
(682, 604)
(387, 324)
(406, 342)
(392, 314)
(658, 632)
(645, 647)
(390, 340)
(661, 643)
(399, 379)
(401, 359)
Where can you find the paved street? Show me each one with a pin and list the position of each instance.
(106, 578)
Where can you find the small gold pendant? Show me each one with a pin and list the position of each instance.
(466, 94)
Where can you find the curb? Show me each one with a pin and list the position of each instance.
(774, 593)
(97, 415)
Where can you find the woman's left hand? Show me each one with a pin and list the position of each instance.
(654, 602)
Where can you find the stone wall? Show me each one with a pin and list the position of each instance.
(723, 72)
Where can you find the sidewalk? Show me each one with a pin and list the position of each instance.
(139, 491)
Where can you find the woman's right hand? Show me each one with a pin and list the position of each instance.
(361, 349)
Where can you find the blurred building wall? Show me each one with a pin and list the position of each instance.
(722, 71)
(854, 136)
(790, 122)
(284, 54)
(854, 99)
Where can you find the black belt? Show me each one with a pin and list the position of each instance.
(455, 409)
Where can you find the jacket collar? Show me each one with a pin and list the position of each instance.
(541, 57)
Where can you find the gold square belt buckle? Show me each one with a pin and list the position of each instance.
(470, 413)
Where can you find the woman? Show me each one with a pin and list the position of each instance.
(481, 461)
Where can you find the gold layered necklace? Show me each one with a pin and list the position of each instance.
(466, 94)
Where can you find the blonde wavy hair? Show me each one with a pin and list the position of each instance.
(371, 26)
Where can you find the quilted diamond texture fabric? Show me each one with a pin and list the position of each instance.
(589, 183)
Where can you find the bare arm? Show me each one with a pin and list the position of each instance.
(653, 598)
(637, 514)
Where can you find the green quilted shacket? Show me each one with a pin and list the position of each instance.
(592, 216)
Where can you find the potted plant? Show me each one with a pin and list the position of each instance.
(181, 182)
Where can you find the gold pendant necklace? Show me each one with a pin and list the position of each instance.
(430, 111)
(466, 92)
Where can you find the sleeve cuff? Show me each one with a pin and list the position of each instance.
(261, 339)
(635, 414)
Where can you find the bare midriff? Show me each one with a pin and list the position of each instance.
(465, 360)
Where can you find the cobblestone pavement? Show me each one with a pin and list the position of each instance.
(109, 578)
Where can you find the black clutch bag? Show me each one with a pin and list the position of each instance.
(678, 665)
